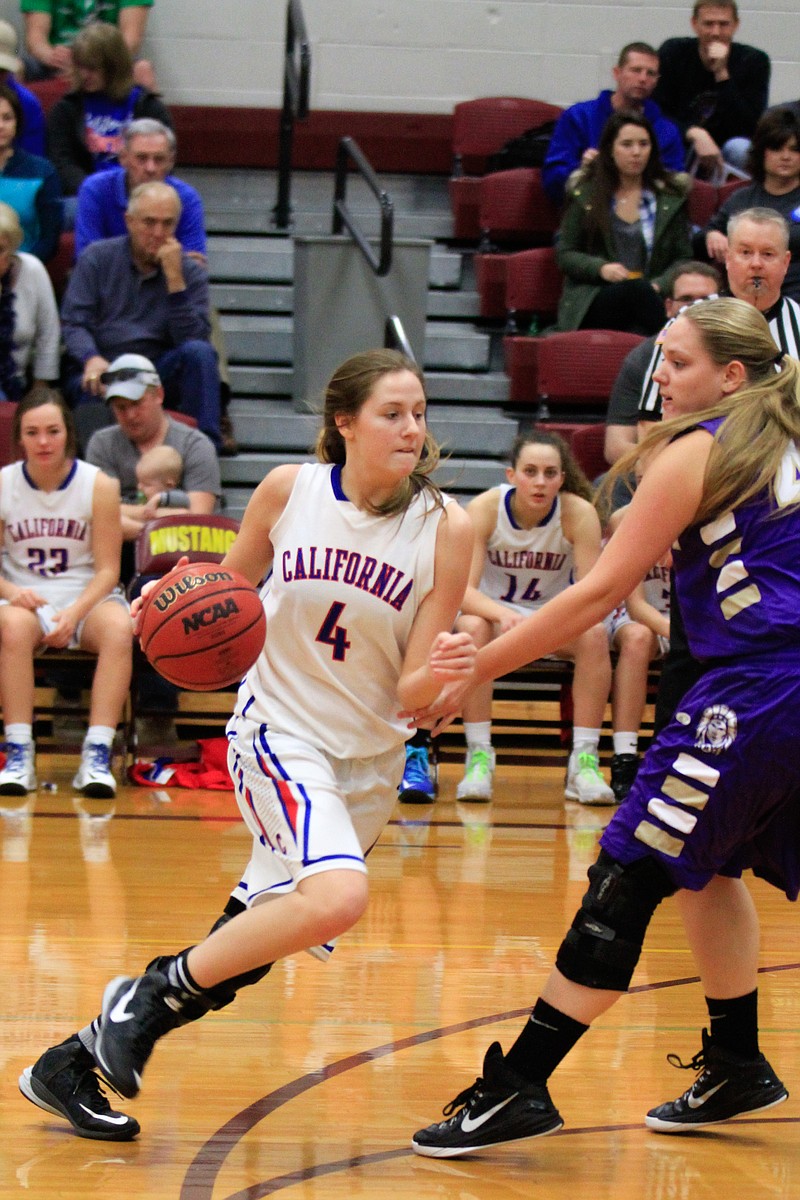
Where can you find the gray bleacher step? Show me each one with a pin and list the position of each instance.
(271, 260)
(253, 297)
(458, 305)
(449, 345)
(256, 259)
(233, 221)
(279, 298)
(261, 381)
(490, 387)
(265, 338)
(471, 431)
(257, 339)
(274, 424)
(461, 477)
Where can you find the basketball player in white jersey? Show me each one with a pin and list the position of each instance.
(532, 535)
(61, 539)
(368, 568)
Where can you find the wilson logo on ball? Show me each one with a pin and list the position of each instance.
(168, 595)
(202, 627)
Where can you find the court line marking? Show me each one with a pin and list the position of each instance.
(202, 1173)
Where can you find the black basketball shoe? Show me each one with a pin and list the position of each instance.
(136, 1013)
(63, 1082)
(498, 1107)
(727, 1086)
(623, 773)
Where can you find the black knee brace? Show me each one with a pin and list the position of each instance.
(602, 948)
(222, 994)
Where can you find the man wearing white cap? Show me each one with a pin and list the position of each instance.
(31, 136)
(134, 394)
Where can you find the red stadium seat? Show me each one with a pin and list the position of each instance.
(727, 189)
(703, 202)
(62, 262)
(49, 91)
(587, 443)
(481, 127)
(9, 451)
(578, 369)
(514, 210)
(490, 276)
(533, 284)
(566, 371)
(522, 368)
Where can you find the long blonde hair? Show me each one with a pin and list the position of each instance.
(760, 418)
(348, 390)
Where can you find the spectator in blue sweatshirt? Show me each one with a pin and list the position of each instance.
(577, 133)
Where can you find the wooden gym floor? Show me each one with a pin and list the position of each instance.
(310, 1085)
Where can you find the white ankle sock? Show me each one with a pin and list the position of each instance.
(20, 735)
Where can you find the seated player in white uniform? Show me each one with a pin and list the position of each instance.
(62, 537)
(533, 535)
(638, 629)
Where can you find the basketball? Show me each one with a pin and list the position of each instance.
(203, 626)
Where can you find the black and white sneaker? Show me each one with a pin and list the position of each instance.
(624, 768)
(136, 1013)
(63, 1082)
(727, 1086)
(498, 1107)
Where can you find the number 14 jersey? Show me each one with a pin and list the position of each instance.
(526, 567)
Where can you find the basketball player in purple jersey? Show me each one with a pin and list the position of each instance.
(723, 489)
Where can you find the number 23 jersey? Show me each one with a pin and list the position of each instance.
(344, 590)
(47, 536)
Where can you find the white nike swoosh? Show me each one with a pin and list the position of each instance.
(469, 1124)
(119, 1012)
(699, 1101)
(105, 1117)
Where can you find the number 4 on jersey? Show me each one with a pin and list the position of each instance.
(333, 634)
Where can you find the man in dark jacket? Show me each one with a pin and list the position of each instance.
(713, 87)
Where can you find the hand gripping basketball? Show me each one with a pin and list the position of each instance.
(202, 626)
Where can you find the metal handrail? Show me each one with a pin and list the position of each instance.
(342, 217)
(395, 337)
(296, 86)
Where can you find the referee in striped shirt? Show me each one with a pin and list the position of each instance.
(756, 261)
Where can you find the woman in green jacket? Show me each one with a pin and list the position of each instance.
(625, 225)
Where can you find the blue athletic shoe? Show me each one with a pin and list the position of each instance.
(418, 785)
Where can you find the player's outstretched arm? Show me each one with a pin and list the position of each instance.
(420, 683)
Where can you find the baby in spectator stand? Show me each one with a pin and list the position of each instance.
(158, 474)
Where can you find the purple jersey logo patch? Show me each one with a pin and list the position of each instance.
(716, 729)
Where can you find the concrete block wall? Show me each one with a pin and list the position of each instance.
(425, 55)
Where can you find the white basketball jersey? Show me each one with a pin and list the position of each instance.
(344, 591)
(656, 588)
(526, 567)
(47, 536)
